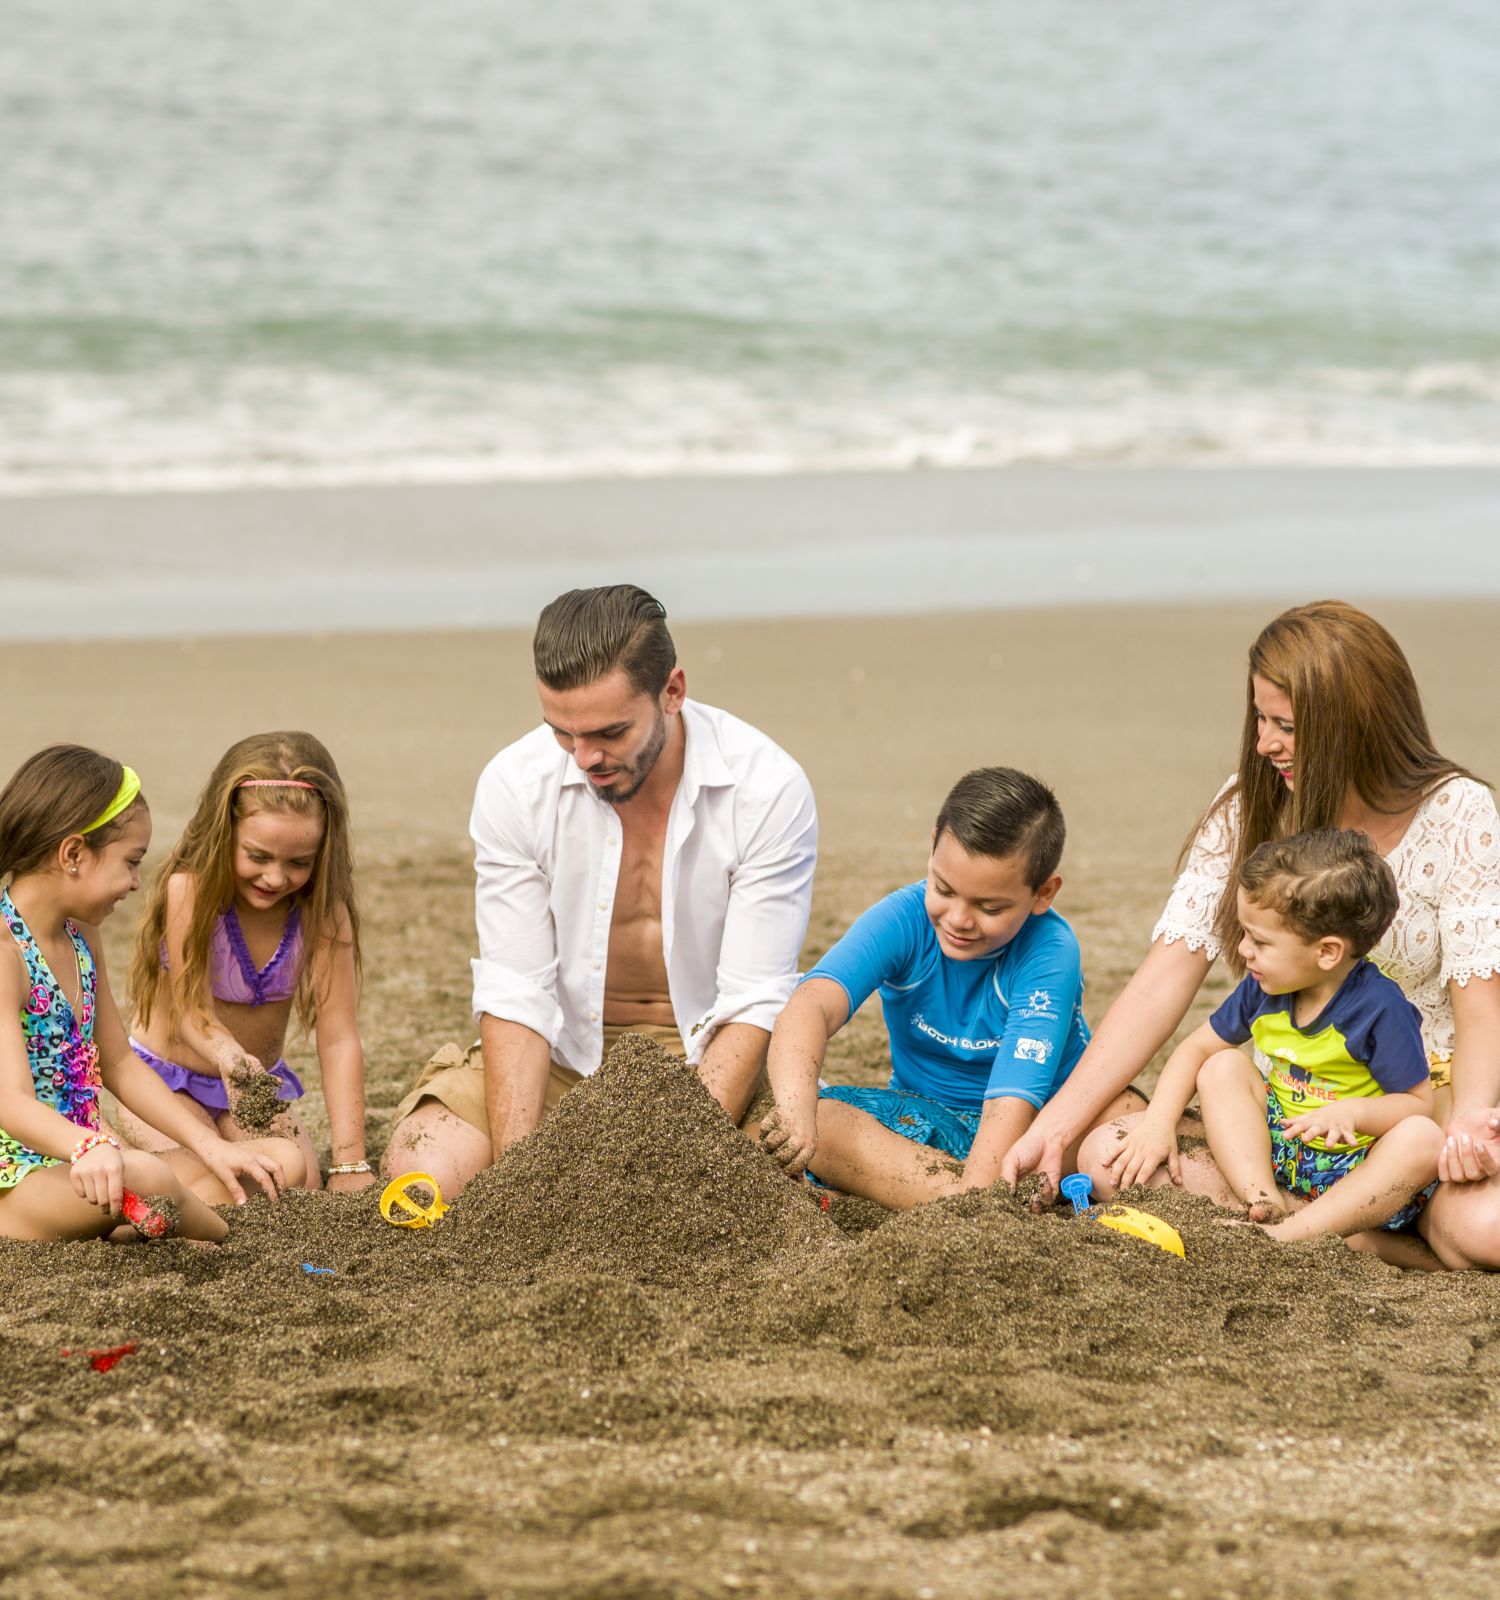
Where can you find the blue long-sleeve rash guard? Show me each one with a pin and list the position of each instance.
(963, 1032)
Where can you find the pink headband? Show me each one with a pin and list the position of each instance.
(276, 783)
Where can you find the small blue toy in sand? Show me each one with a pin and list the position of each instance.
(1078, 1188)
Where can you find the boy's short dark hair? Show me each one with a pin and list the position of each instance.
(585, 634)
(997, 811)
(1328, 882)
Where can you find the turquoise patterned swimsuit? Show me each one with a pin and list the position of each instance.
(59, 1044)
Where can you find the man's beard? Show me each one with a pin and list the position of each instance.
(634, 775)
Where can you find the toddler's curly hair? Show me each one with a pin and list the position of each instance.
(1330, 881)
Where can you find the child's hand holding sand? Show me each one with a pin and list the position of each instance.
(789, 1135)
(252, 1093)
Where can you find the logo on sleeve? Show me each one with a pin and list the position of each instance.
(1033, 1050)
(1039, 1007)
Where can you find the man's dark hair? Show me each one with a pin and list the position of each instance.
(1330, 881)
(586, 633)
(997, 811)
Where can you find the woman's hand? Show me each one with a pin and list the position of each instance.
(1141, 1150)
(99, 1178)
(229, 1161)
(1471, 1148)
(789, 1135)
(1041, 1152)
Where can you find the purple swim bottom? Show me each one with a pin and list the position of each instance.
(207, 1088)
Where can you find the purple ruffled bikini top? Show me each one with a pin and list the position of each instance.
(232, 973)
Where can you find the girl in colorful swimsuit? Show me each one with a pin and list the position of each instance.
(252, 918)
(73, 829)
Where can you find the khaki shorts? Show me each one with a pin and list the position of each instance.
(455, 1076)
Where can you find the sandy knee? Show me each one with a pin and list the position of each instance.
(1462, 1225)
(287, 1154)
(1419, 1137)
(1225, 1067)
(148, 1174)
(433, 1139)
(1095, 1150)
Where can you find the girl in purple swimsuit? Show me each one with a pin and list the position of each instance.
(252, 918)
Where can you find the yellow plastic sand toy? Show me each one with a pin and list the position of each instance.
(1142, 1225)
(398, 1197)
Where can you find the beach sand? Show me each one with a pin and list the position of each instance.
(693, 1382)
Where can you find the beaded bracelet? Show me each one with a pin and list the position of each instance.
(88, 1142)
(346, 1167)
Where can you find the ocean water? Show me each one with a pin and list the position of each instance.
(469, 240)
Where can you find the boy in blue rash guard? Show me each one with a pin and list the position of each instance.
(982, 987)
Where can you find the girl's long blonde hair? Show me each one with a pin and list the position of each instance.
(206, 852)
(1359, 725)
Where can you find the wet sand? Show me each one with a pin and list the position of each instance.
(632, 1361)
(849, 544)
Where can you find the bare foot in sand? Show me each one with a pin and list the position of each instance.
(1267, 1208)
(1269, 1213)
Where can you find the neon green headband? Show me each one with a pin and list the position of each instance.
(126, 795)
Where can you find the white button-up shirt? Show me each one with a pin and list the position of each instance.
(737, 872)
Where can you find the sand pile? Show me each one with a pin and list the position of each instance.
(639, 1174)
(978, 1313)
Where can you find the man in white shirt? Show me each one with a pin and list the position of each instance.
(644, 864)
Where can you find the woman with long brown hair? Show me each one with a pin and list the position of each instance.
(1334, 736)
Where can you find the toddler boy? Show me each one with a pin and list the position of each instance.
(1338, 1090)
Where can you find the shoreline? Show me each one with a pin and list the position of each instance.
(465, 557)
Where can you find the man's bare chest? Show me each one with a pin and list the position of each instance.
(638, 887)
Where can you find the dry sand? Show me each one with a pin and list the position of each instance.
(632, 1361)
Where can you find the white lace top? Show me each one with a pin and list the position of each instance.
(1447, 927)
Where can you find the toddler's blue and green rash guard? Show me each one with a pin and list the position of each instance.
(963, 1032)
(1366, 1041)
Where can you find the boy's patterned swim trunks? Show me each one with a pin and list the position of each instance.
(914, 1117)
(1301, 1169)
